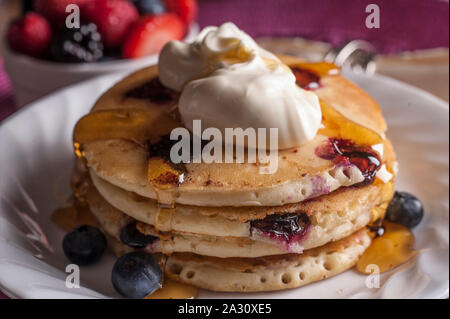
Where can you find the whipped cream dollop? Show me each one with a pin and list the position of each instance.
(227, 81)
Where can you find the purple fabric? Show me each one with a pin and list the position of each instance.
(404, 24)
(7, 104)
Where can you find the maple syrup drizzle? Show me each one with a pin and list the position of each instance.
(76, 211)
(165, 177)
(163, 174)
(308, 75)
(306, 79)
(172, 289)
(376, 228)
(78, 151)
(163, 226)
(338, 126)
(135, 125)
(389, 249)
(79, 180)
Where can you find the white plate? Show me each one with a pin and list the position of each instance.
(36, 160)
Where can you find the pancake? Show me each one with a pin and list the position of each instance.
(204, 220)
(264, 273)
(124, 164)
(356, 209)
(348, 99)
(188, 218)
(301, 174)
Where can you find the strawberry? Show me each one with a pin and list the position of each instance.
(113, 19)
(185, 9)
(31, 35)
(151, 33)
(55, 10)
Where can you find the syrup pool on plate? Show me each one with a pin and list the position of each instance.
(172, 289)
(388, 251)
(72, 215)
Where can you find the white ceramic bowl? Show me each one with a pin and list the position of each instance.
(33, 78)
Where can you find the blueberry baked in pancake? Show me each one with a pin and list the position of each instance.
(235, 226)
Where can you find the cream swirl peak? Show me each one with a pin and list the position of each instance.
(227, 81)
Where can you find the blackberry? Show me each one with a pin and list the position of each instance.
(78, 45)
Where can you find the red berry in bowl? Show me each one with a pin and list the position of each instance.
(185, 9)
(31, 35)
(151, 33)
(113, 19)
(55, 10)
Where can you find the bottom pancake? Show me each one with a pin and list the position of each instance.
(264, 273)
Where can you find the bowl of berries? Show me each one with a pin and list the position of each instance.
(51, 47)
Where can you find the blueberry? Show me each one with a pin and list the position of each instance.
(286, 225)
(84, 245)
(405, 209)
(132, 237)
(136, 275)
(150, 6)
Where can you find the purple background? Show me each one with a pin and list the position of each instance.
(404, 24)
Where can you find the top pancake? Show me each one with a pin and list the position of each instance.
(301, 174)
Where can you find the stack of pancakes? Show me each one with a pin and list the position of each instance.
(225, 227)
